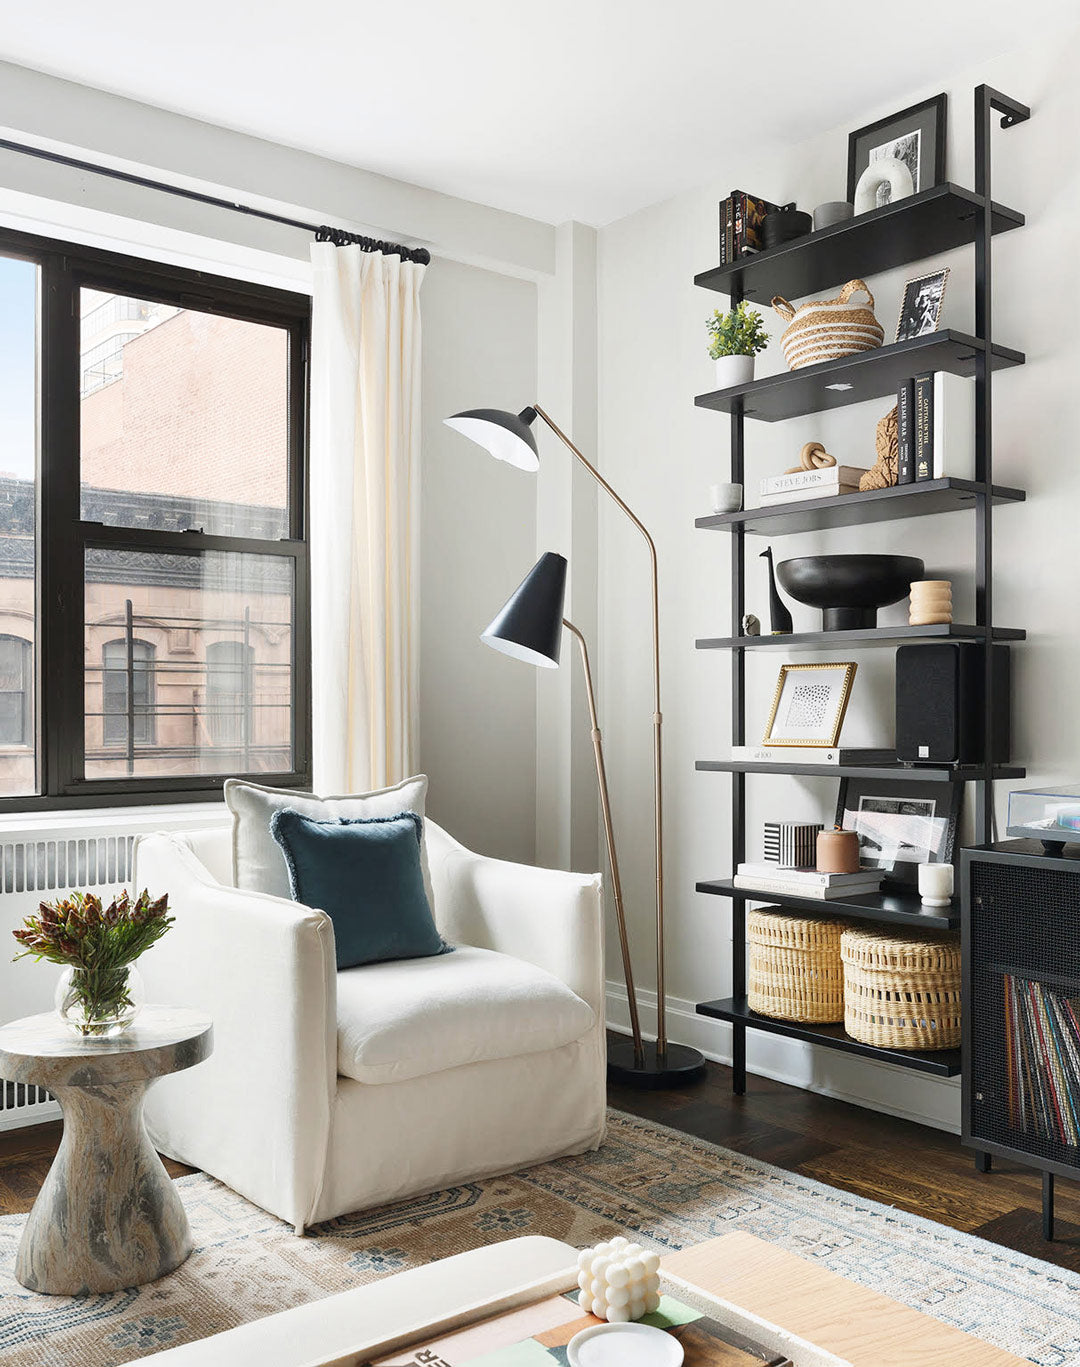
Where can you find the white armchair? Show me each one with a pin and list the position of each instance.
(332, 1092)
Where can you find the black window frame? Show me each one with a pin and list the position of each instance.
(62, 537)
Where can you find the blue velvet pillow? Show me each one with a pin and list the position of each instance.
(365, 873)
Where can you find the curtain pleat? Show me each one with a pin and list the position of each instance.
(365, 485)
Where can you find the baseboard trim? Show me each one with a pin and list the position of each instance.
(844, 1077)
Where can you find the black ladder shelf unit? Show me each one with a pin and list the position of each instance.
(931, 221)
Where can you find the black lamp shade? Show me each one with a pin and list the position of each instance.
(508, 436)
(529, 626)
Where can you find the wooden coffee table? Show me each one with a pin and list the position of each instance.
(867, 1329)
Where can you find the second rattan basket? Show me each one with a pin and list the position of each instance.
(794, 970)
(902, 991)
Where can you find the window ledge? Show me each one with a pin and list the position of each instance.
(63, 823)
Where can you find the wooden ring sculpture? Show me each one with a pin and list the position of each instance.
(812, 457)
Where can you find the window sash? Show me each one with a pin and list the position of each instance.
(63, 537)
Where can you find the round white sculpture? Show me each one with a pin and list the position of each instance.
(619, 1281)
(890, 171)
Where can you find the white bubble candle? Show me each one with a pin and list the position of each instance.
(619, 1281)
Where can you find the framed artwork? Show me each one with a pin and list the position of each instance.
(915, 136)
(901, 823)
(920, 308)
(809, 704)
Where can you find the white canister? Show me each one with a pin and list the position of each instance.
(936, 884)
(725, 498)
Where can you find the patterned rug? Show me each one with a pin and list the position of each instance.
(669, 1189)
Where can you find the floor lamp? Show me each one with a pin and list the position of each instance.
(509, 437)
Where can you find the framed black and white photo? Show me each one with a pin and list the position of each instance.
(920, 308)
(901, 823)
(915, 136)
(809, 704)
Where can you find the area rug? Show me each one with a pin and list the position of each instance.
(669, 1189)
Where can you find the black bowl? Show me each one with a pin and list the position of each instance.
(849, 589)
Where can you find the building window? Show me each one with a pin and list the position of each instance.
(117, 675)
(229, 692)
(16, 672)
(156, 419)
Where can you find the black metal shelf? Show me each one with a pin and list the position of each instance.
(933, 221)
(864, 636)
(925, 773)
(941, 1063)
(920, 499)
(866, 375)
(896, 907)
(936, 220)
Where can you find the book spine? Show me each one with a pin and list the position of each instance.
(924, 426)
(905, 433)
(740, 224)
(729, 229)
(725, 205)
(784, 888)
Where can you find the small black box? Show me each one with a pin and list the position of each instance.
(940, 716)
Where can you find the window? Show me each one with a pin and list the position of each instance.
(16, 673)
(230, 692)
(122, 674)
(169, 407)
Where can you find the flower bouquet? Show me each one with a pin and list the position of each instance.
(99, 993)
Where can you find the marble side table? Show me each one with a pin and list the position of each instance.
(107, 1216)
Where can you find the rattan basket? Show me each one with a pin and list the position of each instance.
(794, 971)
(902, 991)
(827, 329)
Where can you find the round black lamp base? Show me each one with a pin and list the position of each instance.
(678, 1066)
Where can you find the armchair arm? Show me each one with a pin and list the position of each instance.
(256, 1114)
(545, 916)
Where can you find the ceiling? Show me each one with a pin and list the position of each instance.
(583, 109)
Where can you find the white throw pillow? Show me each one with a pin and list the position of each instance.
(258, 862)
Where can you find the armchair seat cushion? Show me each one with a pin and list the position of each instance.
(413, 1017)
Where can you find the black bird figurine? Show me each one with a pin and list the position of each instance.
(780, 619)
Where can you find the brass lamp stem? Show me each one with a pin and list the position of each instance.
(616, 885)
(661, 1013)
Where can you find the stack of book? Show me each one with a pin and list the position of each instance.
(1042, 1059)
(935, 417)
(834, 479)
(740, 225)
(821, 887)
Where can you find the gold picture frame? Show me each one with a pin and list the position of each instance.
(812, 718)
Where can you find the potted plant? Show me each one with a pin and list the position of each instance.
(99, 993)
(736, 337)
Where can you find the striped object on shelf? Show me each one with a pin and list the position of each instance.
(828, 329)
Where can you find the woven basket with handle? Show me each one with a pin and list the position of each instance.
(794, 971)
(827, 329)
(902, 991)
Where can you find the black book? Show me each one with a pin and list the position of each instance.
(924, 426)
(905, 428)
(725, 230)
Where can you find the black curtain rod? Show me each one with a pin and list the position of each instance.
(338, 236)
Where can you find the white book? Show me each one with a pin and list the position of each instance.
(810, 877)
(822, 479)
(801, 495)
(954, 426)
(811, 754)
(784, 888)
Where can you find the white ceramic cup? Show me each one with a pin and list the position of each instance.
(725, 498)
(936, 884)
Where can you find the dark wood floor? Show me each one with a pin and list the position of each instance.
(893, 1161)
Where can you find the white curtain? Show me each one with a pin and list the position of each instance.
(365, 486)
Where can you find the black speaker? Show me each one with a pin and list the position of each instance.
(940, 716)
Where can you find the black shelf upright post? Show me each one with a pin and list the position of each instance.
(987, 101)
(738, 737)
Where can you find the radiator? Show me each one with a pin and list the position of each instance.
(42, 858)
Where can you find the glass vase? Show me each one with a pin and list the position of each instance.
(99, 1004)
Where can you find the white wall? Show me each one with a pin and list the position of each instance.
(478, 709)
(662, 453)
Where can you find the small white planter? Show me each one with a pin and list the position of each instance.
(733, 370)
